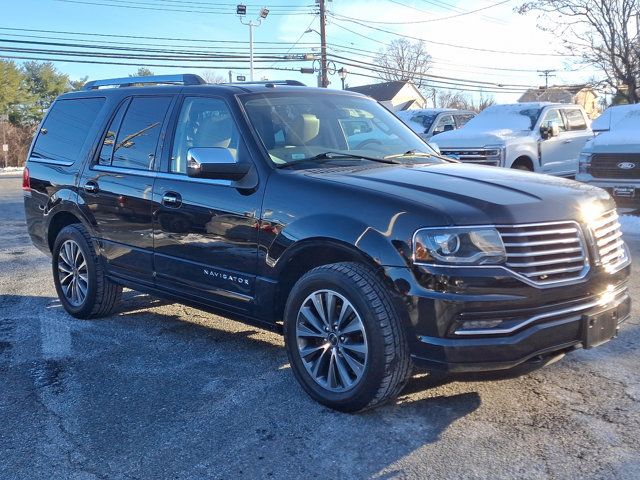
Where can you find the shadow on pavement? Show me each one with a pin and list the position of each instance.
(165, 393)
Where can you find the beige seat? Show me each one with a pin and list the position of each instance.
(302, 130)
(214, 133)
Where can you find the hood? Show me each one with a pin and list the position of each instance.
(473, 194)
(474, 139)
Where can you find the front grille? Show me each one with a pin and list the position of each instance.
(608, 240)
(546, 253)
(607, 165)
(478, 156)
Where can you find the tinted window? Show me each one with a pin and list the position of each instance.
(66, 128)
(138, 135)
(203, 122)
(575, 119)
(461, 120)
(445, 123)
(106, 152)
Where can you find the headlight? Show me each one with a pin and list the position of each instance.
(458, 245)
(495, 152)
(584, 162)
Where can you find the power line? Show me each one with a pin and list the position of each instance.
(156, 8)
(140, 37)
(344, 17)
(452, 45)
(430, 77)
(154, 65)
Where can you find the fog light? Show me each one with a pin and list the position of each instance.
(480, 324)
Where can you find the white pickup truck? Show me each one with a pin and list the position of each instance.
(611, 160)
(541, 137)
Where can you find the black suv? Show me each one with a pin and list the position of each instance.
(251, 201)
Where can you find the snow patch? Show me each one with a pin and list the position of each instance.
(11, 170)
(630, 224)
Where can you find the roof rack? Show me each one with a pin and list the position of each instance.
(269, 82)
(185, 79)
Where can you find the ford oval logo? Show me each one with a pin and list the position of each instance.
(626, 165)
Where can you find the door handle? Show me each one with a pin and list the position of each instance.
(91, 186)
(567, 141)
(171, 199)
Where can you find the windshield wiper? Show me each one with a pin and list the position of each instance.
(411, 153)
(330, 155)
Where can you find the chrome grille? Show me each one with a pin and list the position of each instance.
(479, 156)
(608, 241)
(605, 165)
(546, 253)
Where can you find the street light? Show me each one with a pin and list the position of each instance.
(342, 73)
(241, 11)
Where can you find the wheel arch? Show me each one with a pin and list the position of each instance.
(310, 253)
(526, 160)
(59, 220)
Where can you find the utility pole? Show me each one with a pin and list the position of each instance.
(324, 79)
(546, 74)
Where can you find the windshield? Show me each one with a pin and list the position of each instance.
(505, 117)
(302, 126)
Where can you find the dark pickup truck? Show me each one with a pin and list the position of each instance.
(250, 200)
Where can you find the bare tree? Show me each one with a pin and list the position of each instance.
(462, 101)
(403, 60)
(451, 99)
(601, 33)
(211, 76)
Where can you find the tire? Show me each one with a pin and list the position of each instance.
(74, 260)
(373, 320)
(522, 166)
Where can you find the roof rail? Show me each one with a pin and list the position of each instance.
(269, 82)
(185, 79)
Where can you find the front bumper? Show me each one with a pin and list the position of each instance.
(536, 323)
(625, 192)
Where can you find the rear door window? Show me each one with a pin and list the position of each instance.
(66, 128)
(137, 138)
(575, 119)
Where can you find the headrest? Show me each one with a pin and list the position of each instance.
(214, 133)
(303, 129)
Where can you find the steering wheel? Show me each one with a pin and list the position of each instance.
(369, 141)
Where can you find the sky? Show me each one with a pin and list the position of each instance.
(464, 46)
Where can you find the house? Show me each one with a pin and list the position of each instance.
(397, 95)
(583, 95)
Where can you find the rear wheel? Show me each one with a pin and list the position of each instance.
(81, 284)
(344, 337)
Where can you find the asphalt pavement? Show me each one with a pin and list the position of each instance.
(160, 390)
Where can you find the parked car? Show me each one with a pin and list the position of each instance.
(540, 137)
(366, 132)
(428, 122)
(611, 160)
(248, 201)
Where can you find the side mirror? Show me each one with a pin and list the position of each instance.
(550, 130)
(448, 127)
(216, 163)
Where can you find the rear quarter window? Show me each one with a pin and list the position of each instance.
(66, 128)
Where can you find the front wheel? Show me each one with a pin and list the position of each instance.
(344, 337)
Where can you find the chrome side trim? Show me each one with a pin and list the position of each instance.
(605, 299)
(168, 176)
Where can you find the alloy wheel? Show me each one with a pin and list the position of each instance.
(73, 273)
(332, 340)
